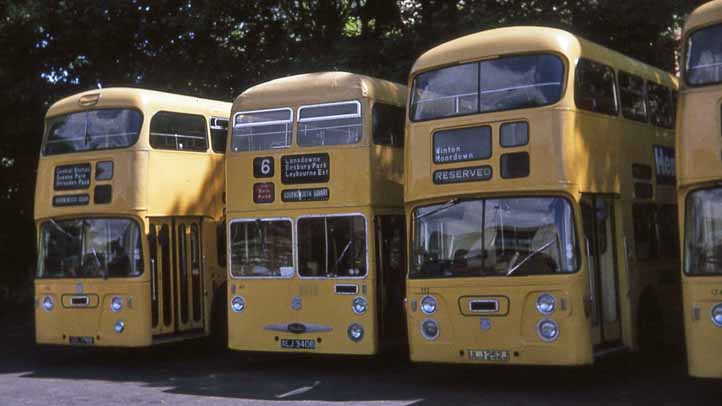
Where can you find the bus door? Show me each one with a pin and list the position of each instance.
(188, 276)
(390, 266)
(177, 275)
(603, 282)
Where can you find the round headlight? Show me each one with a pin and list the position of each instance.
(430, 329)
(238, 303)
(119, 326)
(48, 303)
(546, 304)
(355, 332)
(548, 330)
(359, 305)
(428, 304)
(717, 315)
(116, 304)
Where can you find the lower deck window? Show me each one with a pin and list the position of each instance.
(90, 248)
(494, 237)
(332, 246)
(703, 233)
(261, 248)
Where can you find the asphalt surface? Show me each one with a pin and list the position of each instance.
(191, 374)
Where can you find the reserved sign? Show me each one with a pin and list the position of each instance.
(71, 200)
(459, 175)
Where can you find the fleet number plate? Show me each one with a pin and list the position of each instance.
(489, 355)
(81, 340)
(296, 344)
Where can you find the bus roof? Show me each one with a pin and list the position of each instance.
(141, 98)
(703, 15)
(530, 39)
(320, 87)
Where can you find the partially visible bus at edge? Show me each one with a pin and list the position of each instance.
(315, 211)
(540, 196)
(128, 208)
(699, 166)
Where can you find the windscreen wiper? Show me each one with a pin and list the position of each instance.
(528, 257)
(451, 203)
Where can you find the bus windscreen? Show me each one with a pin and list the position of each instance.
(90, 248)
(494, 237)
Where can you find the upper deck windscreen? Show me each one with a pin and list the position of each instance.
(92, 130)
(704, 56)
(506, 83)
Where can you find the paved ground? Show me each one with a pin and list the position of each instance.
(189, 375)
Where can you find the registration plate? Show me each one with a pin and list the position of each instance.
(296, 344)
(489, 355)
(78, 340)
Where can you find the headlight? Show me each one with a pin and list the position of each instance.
(355, 332)
(717, 315)
(238, 303)
(428, 304)
(548, 330)
(48, 303)
(546, 304)
(359, 305)
(430, 329)
(119, 326)
(116, 304)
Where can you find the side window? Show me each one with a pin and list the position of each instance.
(645, 233)
(388, 125)
(219, 133)
(668, 231)
(178, 131)
(221, 244)
(594, 88)
(632, 97)
(661, 109)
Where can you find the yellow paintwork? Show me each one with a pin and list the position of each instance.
(147, 183)
(572, 152)
(364, 179)
(699, 166)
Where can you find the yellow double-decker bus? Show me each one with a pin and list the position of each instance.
(315, 215)
(540, 200)
(129, 208)
(699, 165)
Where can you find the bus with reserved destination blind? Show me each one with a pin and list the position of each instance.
(540, 201)
(129, 216)
(315, 215)
(699, 165)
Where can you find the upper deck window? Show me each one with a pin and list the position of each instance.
(511, 82)
(633, 97)
(92, 130)
(219, 134)
(704, 56)
(178, 131)
(330, 124)
(388, 125)
(594, 88)
(262, 130)
(662, 107)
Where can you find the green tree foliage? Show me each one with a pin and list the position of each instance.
(216, 49)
